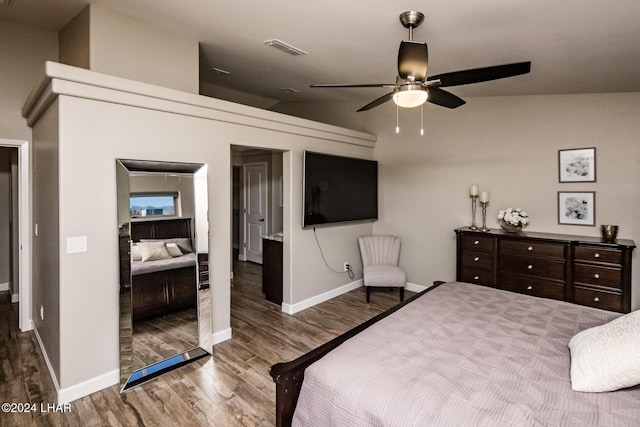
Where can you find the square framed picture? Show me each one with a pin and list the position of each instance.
(577, 165)
(577, 207)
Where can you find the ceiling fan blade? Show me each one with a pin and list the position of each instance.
(412, 60)
(443, 98)
(379, 101)
(357, 85)
(477, 75)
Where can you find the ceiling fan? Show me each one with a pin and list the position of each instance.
(413, 88)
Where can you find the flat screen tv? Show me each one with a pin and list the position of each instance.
(339, 189)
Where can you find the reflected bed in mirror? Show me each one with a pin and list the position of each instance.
(165, 309)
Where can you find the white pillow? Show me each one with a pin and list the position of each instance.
(607, 357)
(135, 253)
(184, 243)
(174, 250)
(153, 251)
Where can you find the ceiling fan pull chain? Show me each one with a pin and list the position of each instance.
(422, 119)
(397, 119)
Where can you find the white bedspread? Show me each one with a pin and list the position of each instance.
(144, 267)
(463, 355)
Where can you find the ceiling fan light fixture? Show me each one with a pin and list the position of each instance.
(410, 96)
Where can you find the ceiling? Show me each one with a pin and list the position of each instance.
(576, 46)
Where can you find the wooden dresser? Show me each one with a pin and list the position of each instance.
(579, 269)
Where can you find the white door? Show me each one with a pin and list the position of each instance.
(255, 209)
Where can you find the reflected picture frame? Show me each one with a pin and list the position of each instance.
(577, 208)
(577, 165)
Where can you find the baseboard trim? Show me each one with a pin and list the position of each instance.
(310, 302)
(414, 287)
(4, 287)
(46, 358)
(221, 336)
(85, 388)
(68, 394)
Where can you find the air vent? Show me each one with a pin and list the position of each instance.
(218, 70)
(285, 47)
(289, 90)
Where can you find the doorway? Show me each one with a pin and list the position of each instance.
(257, 205)
(14, 155)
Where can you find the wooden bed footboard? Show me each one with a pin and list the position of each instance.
(288, 376)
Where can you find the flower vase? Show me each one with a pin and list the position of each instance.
(510, 228)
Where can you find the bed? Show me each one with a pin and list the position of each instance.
(457, 354)
(163, 267)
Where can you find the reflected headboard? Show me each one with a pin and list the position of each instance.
(161, 229)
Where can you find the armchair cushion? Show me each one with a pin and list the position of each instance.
(384, 275)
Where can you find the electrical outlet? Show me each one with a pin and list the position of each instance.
(347, 266)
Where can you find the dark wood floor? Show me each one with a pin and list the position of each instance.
(161, 337)
(230, 388)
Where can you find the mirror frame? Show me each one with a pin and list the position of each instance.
(128, 376)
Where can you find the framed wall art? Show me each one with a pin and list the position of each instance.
(577, 207)
(577, 165)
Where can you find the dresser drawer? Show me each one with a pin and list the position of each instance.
(593, 254)
(478, 277)
(598, 299)
(598, 275)
(532, 286)
(533, 248)
(477, 260)
(477, 242)
(532, 267)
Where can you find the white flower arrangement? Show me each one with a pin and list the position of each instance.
(516, 217)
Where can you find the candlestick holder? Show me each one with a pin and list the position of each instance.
(484, 216)
(474, 201)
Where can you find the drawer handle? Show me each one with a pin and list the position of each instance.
(596, 299)
(596, 255)
(529, 287)
(530, 248)
(476, 277)
(476, 259)
(530, 267)
(477, 242)
(596, 276)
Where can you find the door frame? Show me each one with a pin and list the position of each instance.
(244, 224)
(24, 227)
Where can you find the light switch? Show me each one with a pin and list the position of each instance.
(76, 244)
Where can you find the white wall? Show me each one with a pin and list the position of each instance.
(146, 122)
(126, 47)
(105, 41)
(23, 50)
(74, 41)
(507, 145)
(45, 283)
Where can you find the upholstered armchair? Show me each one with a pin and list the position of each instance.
(380, 255)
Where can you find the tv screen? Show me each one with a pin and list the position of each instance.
(339, 189)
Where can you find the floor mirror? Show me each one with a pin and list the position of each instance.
(163, 235)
